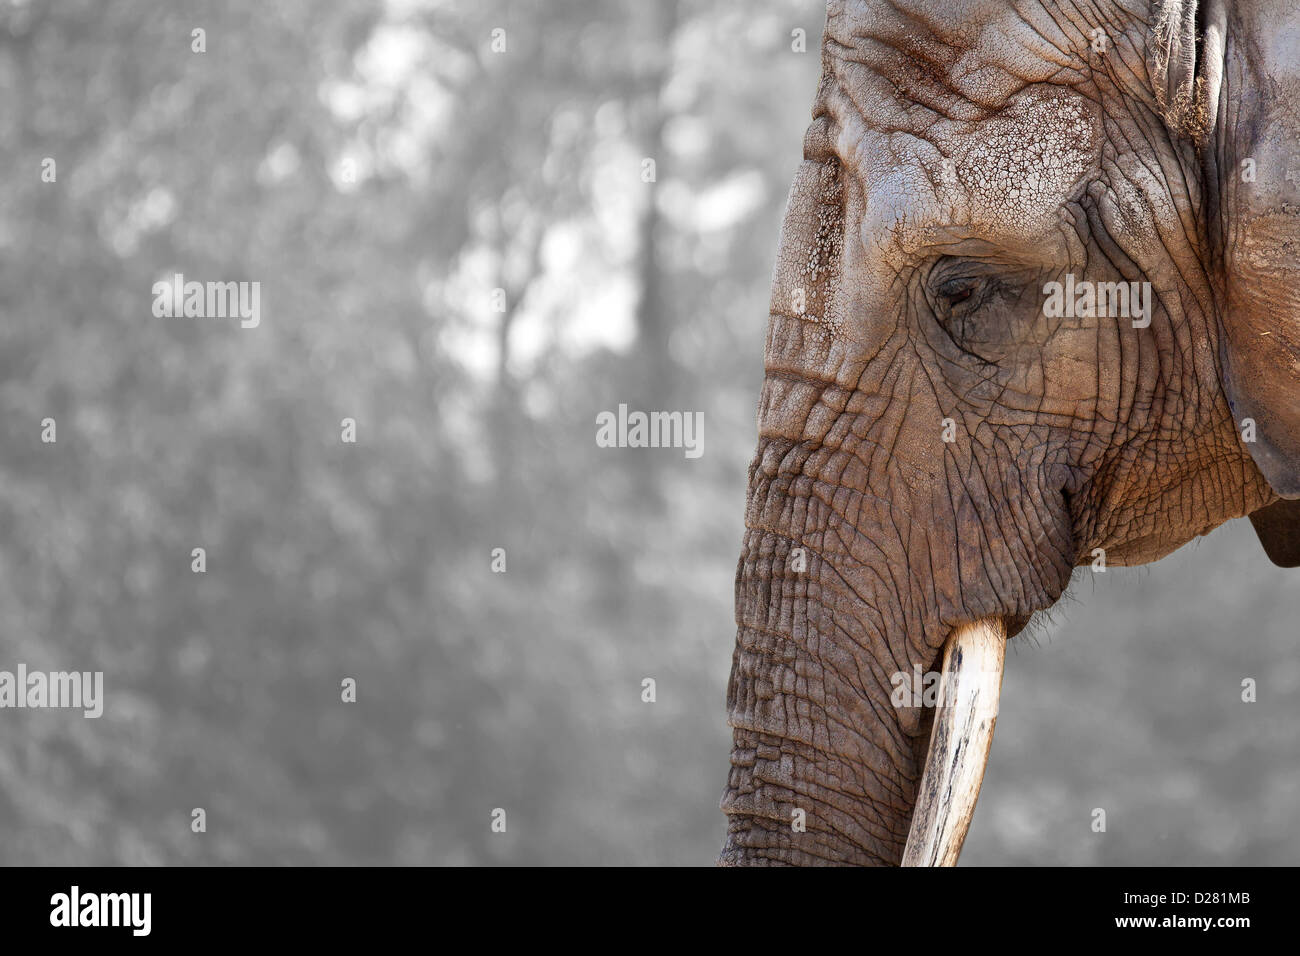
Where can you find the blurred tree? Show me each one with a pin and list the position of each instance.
(380, 170)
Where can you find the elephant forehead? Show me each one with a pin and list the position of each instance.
(1003, 179)
(981, 51)
(957, 114)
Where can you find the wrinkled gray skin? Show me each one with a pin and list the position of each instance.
(962, 154)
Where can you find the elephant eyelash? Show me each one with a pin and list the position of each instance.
(957, 303)
(956, 291)
(976, 301)
(957, 297)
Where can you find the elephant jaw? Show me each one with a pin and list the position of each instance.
(967, 710)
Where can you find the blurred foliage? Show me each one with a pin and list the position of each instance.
(474, 171)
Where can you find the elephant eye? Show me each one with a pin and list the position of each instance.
(953, 294)
(959, 302)
(981, 303)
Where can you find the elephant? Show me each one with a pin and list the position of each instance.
(942, 440)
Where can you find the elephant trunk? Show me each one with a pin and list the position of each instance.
(822, 768)
(829, 683)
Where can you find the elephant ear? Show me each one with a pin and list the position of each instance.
(1186, 81)
(1255, 213)
(1253, 201)
(1278, 527)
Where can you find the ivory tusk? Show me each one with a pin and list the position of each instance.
(967, 709)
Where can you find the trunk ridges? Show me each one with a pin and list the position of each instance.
(808, 729)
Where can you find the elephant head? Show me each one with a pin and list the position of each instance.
(1036, 305)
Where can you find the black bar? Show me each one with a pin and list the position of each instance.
(338, 906)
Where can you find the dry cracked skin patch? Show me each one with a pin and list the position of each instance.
(1027, 160)
(822, 267)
